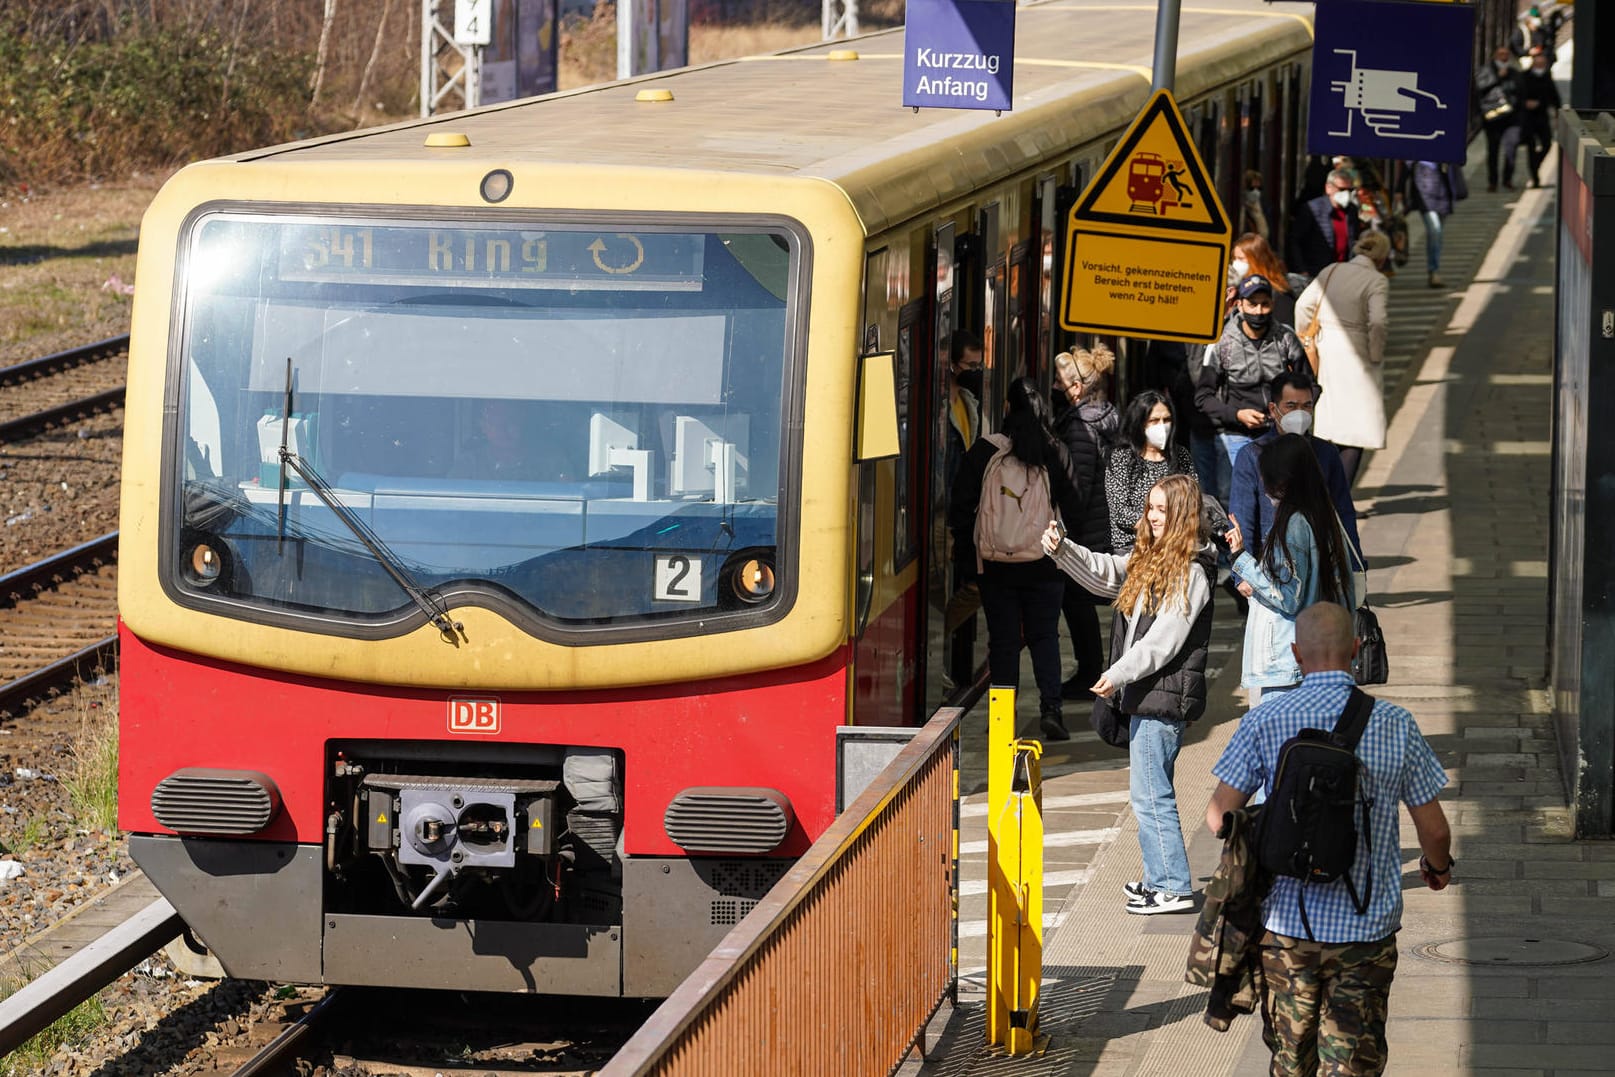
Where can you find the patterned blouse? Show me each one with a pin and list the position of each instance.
(1128, 481)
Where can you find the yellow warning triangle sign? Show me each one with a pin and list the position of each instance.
(1154, 179)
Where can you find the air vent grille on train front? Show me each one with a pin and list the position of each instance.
(200, 800)
(728, 820)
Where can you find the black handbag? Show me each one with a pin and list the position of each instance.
(1372, 665)
(1111, 724)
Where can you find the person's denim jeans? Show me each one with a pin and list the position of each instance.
(1432, 240)
(1229, 444)
(1152, 752)
(1024, 611)
(1203, 449)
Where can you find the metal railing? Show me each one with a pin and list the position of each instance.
(843, 964)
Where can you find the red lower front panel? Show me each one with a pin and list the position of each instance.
(773, 730)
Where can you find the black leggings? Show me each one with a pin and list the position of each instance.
(1351, 458)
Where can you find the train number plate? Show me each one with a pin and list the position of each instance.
(678, 578)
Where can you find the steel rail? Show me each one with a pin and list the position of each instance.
(17, 585)
(280, 1050)
(33, 1007)
(53, 568)
(50, 364)
(28, 425)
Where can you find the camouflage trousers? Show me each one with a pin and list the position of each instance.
(1323, 1005)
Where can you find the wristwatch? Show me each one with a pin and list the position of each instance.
(1424, 865)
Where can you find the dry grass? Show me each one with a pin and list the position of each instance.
(589, 46)
(58, 249)
(92, 788)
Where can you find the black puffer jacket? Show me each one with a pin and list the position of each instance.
(1178, 691)
(1088, 430)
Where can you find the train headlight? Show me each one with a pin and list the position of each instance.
(205, 564)
(753, 580)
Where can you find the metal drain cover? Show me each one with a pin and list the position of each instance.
(1512, 953)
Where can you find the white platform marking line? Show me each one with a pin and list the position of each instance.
(1053, 878)
(974, 807)
(1059, 840)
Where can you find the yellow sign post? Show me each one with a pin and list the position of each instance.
(1147, 243)
(1014, 880)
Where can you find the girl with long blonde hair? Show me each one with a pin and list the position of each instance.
(1156, 683)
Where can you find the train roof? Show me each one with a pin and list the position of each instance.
(1082, 70)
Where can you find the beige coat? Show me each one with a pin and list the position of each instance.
(1349, 300)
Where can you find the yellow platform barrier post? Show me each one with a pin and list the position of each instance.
(1014, 880)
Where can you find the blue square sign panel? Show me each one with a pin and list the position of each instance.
(959, 54)
(1391, 79)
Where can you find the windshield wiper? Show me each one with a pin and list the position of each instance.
(430, 604)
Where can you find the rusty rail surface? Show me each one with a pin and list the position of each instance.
(841, 966)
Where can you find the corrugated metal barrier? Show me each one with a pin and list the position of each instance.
(840, 967)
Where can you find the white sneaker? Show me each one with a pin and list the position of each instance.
(1154, 902)
(1135, 890)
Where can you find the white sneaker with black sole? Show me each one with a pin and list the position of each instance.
(1154, 902)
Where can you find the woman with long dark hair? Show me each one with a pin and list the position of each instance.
(1156, 681)
(1143, 456)
(1021, 589)
(1304, 560)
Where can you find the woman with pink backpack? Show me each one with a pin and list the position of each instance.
(1008, 488)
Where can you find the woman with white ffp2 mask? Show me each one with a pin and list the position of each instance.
(1144, 454)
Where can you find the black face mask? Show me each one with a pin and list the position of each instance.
(970, 380)
(1258, 321)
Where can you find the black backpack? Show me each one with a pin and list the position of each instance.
(1307, 830)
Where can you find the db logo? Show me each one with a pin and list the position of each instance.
(474, 716)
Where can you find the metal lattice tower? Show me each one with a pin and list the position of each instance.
(842, 24)
(448, 69)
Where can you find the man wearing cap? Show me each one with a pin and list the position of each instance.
(1232, 387)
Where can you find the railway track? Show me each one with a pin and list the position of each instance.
(58, 620)
(48, 391)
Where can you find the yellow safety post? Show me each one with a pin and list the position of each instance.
(1014, 879)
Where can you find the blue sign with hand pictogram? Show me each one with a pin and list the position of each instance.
(959, 54)
(1391, 79)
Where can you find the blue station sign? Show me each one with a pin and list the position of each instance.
(1390, 78)
(959, 54)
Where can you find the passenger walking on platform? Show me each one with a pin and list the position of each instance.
(1159, 638)
(1539, 108)
(1349, 302)
(1497, 94)
(1253, 215)
(1325, 1002)
(1253, 254)
(1143, 457)
(1432, 190)
(1021, 596)
(1303, 562)
(1088, 426)
(1291, 408)
(1325, 227)
(1231, 389)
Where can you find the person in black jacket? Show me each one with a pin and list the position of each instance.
(1496, 95)
(1538, 105)
(1021, 599)
(1088, 426)
(1324, 229)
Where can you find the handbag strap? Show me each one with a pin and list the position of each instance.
(1352, 556)
(1311, 330)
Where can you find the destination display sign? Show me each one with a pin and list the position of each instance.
(491, 257)
(959, 54)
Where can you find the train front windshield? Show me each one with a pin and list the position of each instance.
(582, 427)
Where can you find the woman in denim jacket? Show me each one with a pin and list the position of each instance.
(1304, 561)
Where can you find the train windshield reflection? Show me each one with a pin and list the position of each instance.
(582, 425)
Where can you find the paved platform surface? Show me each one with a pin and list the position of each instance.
(1457, 535)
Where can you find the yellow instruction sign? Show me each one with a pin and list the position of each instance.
(1147, 242)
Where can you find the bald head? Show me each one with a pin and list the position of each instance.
(1324, 638)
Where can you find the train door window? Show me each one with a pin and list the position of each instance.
(905, 533)
(1049, 224)
(995, 338)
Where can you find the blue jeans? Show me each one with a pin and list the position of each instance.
(1230, 443)
(1432, 239)
(1203, 448)
(1152, 752)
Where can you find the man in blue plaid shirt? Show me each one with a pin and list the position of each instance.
(1324, 1002)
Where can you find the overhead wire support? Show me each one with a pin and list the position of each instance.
(839, 18)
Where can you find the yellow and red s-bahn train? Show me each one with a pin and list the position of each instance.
(502, 546)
